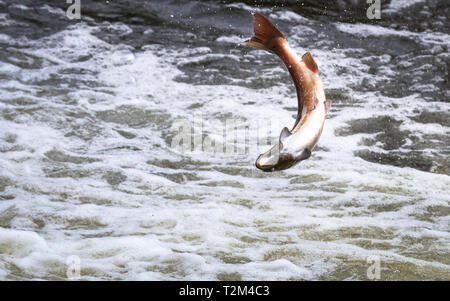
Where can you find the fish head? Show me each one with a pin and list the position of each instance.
(278, 158)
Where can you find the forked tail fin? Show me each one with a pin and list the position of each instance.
(267, 36)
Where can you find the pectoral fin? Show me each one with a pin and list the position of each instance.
(327, 106)
(316, 101)
(284, 134)
(305, 154)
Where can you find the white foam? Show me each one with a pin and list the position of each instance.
(248, 8)
(368, 30)
(397, 5)
(55, 10)
(233, 39)
(8, 68)
(20, 243)
(289, 16)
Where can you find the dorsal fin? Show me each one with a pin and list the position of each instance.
(309, 61)
(266, 34)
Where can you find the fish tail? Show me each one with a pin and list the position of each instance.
(267, 36)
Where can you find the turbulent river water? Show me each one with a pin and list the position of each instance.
(90, 175)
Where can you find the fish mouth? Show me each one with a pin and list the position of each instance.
(266, 168)
(285, 161)
(263, 167)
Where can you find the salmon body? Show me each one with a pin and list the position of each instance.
(296, 144)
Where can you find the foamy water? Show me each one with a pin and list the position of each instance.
(87, 167)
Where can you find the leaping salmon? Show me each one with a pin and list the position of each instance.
(297, 144)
